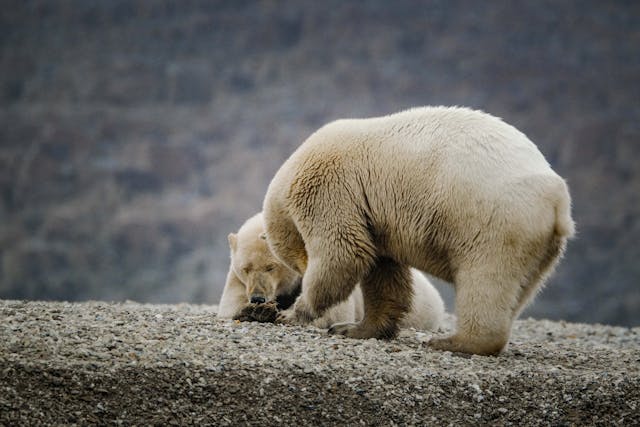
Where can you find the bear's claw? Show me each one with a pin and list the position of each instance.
(285, 317)
(456, 344)
(294, 316)
(356, 330)
(341, 328)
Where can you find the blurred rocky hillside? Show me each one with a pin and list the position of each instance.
(135, 135)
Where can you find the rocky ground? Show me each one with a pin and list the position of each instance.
(126, 363)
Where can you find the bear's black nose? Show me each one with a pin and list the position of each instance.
(257, 300)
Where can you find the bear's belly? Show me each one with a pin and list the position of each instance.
(424, 251)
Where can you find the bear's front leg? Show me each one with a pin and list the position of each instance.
(387, 291)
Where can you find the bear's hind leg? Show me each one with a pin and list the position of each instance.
(387, 291)
(485, 301)
(551, 253)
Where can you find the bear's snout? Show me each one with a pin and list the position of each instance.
(257, 299)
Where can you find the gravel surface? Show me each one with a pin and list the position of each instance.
(127, 363)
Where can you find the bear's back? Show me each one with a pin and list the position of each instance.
(458, 142)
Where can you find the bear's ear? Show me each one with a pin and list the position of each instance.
(233, 241)
(263, 236)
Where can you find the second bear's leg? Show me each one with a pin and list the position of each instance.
(387, 292)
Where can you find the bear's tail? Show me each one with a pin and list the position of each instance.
(564, 226)
(563, 229)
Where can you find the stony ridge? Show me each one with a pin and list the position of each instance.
(127, 363)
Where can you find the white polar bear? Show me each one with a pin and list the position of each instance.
(453, 192)
(256, 276)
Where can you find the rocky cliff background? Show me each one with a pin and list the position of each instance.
(135, 135)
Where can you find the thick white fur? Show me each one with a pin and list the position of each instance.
(247, 276)
(454, 192)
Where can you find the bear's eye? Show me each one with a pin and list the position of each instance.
(269, 268)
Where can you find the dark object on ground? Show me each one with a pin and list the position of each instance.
(268, 311)
(263, 313)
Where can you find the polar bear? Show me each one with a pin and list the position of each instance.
(256, 277)
(451, 191)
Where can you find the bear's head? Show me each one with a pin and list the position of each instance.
(265, 278)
